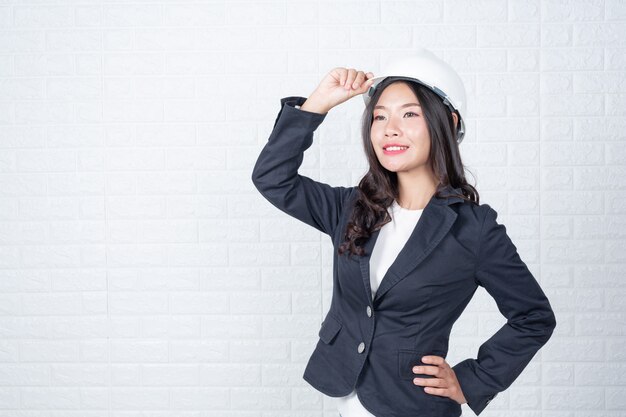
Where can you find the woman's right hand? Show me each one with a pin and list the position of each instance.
(339, 85)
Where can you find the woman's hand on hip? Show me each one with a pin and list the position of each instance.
(339, 85)
(444, 382)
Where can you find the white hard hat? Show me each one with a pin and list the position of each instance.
(427, 69)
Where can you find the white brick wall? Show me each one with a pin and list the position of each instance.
(141, 273)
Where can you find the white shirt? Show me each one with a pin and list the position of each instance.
(391, 239)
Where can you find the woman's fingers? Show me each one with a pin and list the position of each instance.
(430, 382)
(349, 79)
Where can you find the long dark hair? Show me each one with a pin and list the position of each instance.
(379, 187)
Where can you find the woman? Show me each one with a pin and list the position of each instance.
(412, 244)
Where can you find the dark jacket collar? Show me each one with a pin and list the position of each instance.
(434, 223)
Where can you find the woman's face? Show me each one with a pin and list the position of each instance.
(398, 120)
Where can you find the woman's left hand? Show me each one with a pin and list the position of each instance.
(443, 383)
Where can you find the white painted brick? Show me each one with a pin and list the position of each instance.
(573, 59)
(262, 398)
(519, 35)
(139, 398)
(407, 12)
(306, 302)
(219, 375)
(305, 254)
(571, 300)
(22, 89)
(574, 105)
(598, 34)
(279, 375)
(169, 87)
(572, 10)
(475, 11)
(615, 398)
(555, 35)
(194, 14)
(592, 82)
(169, 375)
(138, 303)
(73, 40)
(133, 63)
(287, 230)
(260, 303)
(287, 37)
(303, 13)
(517, 130)
(524, 154)
(259, 350)
(436, 36)
(527, 398)
(255, 13)
(615, 104)
(198, 303)
(258, 254)
(88, 15)
(577, 398)
(615, 349)
(615, 204)
(488, 60)
(118, 39)
(6, 17)
(558, 374)
(200, 398)
(42, 16)
(143, 351)
(7, 68)
(381, 36)
(305, 399)
(171, 135)
(601, 129)
(599, 374)
(22, 41)
(489, 106)
(349, 12)
(557, 83)
(588, 203)
(523, 104)
(524, 11)
(333, 37)
(231, 327)
(523, 59)
(507, 84)
(302, 62)
(196, 63)
(289, 326)
(291, 279)
(230, 278)
(156, 39)
(50, 398)
(607, 324)
(614, 178)
(133, 15)
(79, 375)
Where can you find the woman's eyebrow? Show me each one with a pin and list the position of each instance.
(403, 106)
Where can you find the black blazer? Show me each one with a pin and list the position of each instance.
(371, 345)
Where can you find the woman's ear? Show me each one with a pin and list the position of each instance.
(455, 117)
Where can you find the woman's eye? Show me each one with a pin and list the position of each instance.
(379, 117)
(411, 114)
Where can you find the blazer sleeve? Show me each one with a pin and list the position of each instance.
(530, 319)
(275, 173)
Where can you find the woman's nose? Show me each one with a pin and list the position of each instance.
(391, 129)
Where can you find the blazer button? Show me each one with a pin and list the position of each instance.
(369, 311)
(361, 347)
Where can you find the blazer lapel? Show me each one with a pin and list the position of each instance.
(432, 226)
